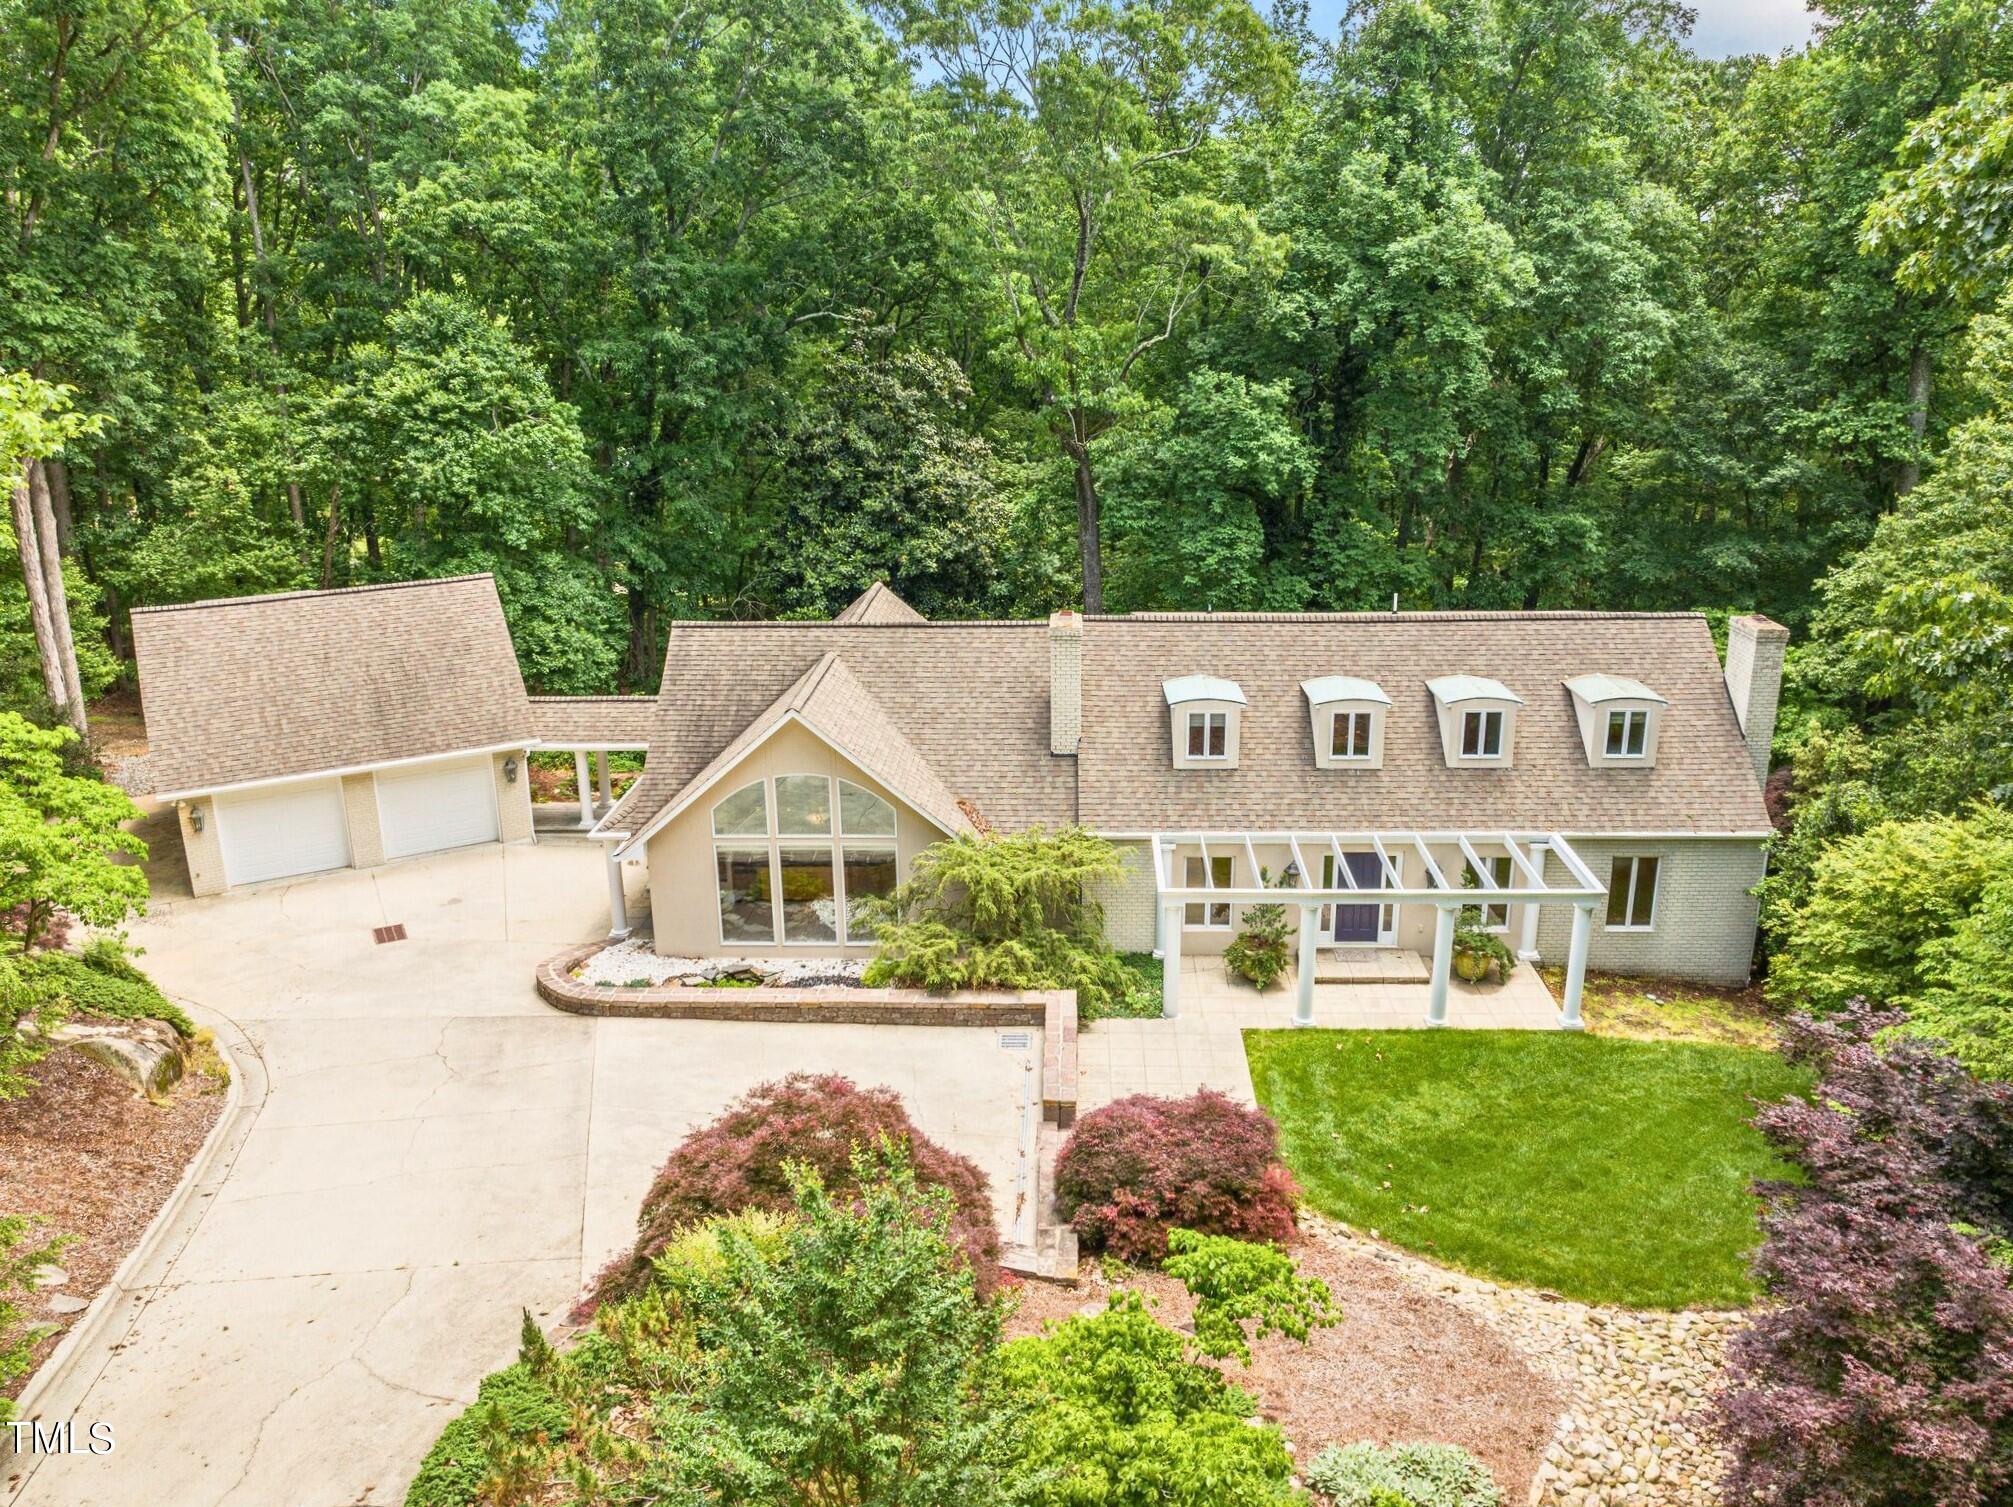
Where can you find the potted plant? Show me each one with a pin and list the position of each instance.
(1478, 952)
(1260, 951)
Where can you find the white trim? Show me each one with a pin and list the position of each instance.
(1634, 861)
(1188, 729)
(525, 745)
(664, 817)
(1761, 836)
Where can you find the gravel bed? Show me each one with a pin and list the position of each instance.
(631, 962)
(97, 1161)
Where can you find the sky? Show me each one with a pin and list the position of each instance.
(1725, 27)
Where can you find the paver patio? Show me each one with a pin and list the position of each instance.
(1203, 1047)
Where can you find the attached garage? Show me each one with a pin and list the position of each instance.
(429, 807)
(283, 830)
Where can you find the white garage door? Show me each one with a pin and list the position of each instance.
(433, 806)
(288, 829)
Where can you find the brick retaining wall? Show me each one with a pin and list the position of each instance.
(838, 1004)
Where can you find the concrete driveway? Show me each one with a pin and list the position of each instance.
(435, 1150)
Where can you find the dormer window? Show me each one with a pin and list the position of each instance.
(1347, 717)
(1478, 720)
(1620, 720)
(1205, 711)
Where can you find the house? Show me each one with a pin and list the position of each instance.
(1591, 780)
(315, 730)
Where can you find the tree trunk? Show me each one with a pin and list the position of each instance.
(59, 499)
(1087, 540)
(1918, 419)
(59, 599)
(329, 540)
(38, 598)
(294, 504)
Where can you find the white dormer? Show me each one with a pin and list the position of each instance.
(1347, 715)
(1204, 711)
(1478, 720)
(1620, 720)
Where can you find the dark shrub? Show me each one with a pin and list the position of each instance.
(101, 982)
(1881, 1373)
(738, 1161)
(1141, 1166)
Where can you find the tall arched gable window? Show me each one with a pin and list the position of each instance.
(794, 869)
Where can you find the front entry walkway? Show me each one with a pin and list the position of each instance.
(1203, 1047)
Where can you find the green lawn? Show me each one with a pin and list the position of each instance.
(1609, 1170)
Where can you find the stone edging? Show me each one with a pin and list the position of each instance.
(1054, 1010)
(59, 1385)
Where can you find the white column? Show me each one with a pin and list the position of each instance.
(1527, 940)
(1576, 965)
(601, 778)
(1303, 1001)
(586, 790)
(618, 908)
(1170, 961)
(1443, 963)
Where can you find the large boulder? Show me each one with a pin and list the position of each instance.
(146, 1053)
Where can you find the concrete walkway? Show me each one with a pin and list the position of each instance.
(1203, 1047)
(435, 1150)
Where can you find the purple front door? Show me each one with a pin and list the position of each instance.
(1359, 923)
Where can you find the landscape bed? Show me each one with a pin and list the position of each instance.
(1607, 1170)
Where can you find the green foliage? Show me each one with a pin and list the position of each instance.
(60, 837)
(1966, 1000)
(22, 1256)
(1950, 213)
(1260, 952)
(100, 983)
(1007, 913)
(1124, 1418)
(1878, 900)
(512, 1409)
(1233, 1281)
(1402, 1475)
(21, 1003)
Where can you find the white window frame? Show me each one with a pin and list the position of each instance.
(837, 841)
(1481, 716)
(1211, 722)
(1387, 913)
(1224, 866)
(1628, 890)
(1632, 719)
(1366, 720)
(1499, 870)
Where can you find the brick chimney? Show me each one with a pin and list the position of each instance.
(1754, 647)
(1065, 682)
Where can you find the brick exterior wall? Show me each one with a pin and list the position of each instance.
(1754, 652)
(1129, 904)
(1704, 923)
(204, 850)
(1065, 682)
(366, 836)
(513, 798)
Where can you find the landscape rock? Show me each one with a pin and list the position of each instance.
(146, 1053)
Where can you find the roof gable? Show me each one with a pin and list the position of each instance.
(879, 604)
(258, 688)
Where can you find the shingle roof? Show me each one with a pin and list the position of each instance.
(256, 688)
(879, 604)
(593, 721)
(1703, 780)
(972, 699)
(830, 700)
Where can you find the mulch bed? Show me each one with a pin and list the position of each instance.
(1402, 1365)
(96, 1160)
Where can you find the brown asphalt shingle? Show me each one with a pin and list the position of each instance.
(254, 688)
(583, 721)
(878, 604)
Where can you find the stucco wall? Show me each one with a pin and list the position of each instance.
(204, 850)
(513, 799)
(1704, 923)
(684, 899)
(366, 835)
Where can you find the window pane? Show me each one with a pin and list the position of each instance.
(1471, 734)
(1492, 734)
(1218, 723)
(810, 901)
(1198, 734)
(745, 813)
(864, 814)
(803, 805)
(1646, 892)
(1618, 891)
(1338, 734)
(1360, 747)
(1617, 732)
(870, 877)
(747, 912)
(1639, 727)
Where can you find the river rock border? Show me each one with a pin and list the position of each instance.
(1636, 1383)
(1054, 1010)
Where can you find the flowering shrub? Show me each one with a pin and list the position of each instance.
(1141, 1166)
(1882, 1371)
(739, 1162)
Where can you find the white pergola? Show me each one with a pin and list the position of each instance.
(1528, 887)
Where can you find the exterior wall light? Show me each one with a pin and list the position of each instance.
(510, 771)
(196, 817)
